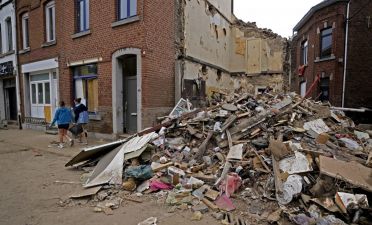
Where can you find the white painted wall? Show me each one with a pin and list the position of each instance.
(5, 12)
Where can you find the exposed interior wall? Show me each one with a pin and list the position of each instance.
(228, 54)
(207, 33)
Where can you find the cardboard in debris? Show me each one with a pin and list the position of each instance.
(94, 152)
(351, 172)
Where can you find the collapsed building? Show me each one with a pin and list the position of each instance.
(219, 52)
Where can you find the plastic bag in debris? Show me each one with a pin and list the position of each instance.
(231, 183)
(350, 144)
(143, 172)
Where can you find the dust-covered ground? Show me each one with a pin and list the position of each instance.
(35, 187)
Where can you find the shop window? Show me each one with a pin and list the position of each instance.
(326, 43)
(127, 8)
(86, 85)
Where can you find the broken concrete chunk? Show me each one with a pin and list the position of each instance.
(201, 207)
(197, 216)
(229, 107)
(236, 152)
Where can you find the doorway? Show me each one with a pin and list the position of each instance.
(10, 95)
(126, 91)
(129, 73)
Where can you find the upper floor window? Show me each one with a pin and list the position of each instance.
(304, 52)
(127, 8)
(9, 34)
(1, 40)
(82, 12)
(50, 20)
(326, 43)
(25, 30)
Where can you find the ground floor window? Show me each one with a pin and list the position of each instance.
(40, 96)
(86, 85)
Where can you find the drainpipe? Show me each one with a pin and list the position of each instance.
(345, 57)
(18, 90)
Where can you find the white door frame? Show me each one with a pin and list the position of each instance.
(49, 80)
(117, 89)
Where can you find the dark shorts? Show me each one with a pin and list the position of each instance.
(63, 126)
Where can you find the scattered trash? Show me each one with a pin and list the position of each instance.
(149, 221)
(289, 159)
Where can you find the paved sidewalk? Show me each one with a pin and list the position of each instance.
(38, 140)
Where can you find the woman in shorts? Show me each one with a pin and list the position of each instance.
(63, 118)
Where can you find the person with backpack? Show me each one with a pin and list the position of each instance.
(63, 118)
(81, 119)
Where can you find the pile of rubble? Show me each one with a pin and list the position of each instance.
(245, 159)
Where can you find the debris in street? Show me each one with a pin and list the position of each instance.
(287, 158)
(149, 221)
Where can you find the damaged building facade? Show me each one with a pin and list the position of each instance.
(218, 52)
(331, 56)
(132, 60)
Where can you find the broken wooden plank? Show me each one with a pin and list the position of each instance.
(262, 161)
(210, 204)
(203, 146)
(351, 172)
(229, 139)
(228, 122)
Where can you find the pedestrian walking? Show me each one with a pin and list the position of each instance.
(81, 119)
(63, 118)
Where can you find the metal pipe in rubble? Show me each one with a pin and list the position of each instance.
(345, 57)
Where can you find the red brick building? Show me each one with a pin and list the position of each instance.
(118, 57)
(318, 51)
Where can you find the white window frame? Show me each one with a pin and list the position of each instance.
(43, 83)
(82, 15)
(130, 6)
(304, 51)
(50, 24)
(25, 32)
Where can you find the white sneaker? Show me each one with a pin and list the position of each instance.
(61, 146)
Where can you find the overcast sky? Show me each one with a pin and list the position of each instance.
(278, 15)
